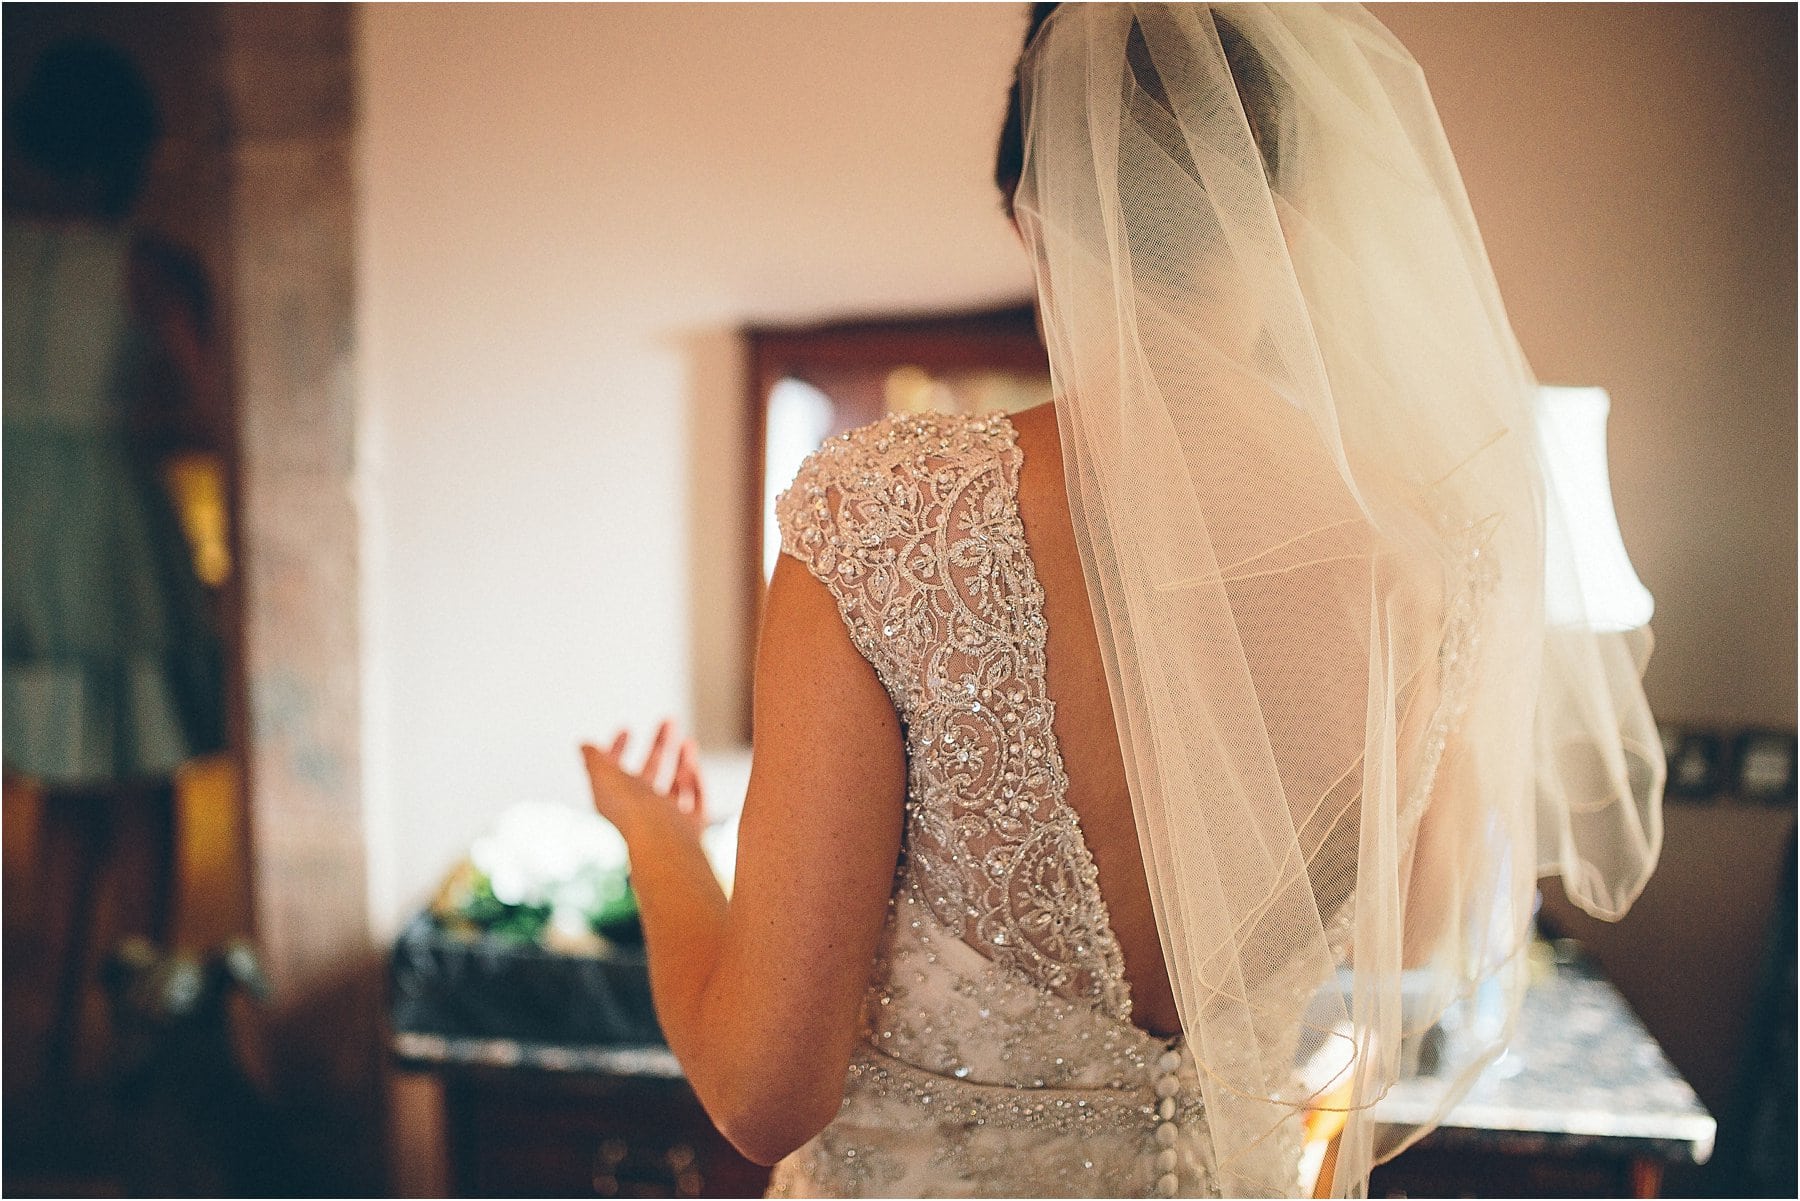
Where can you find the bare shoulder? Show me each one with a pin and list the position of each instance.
(1041, 475)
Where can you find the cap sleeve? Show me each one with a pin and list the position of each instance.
(807, 513)
(856, 506)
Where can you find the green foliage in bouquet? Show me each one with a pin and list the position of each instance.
(520, 923)
(598, 904)
(545, 874)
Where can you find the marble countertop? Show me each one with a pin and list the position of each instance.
(1582, 1074)
(437, 1050)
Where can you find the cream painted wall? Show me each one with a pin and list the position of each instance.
(565, 211)
(1632, 169)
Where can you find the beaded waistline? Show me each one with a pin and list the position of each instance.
(1012, 1106)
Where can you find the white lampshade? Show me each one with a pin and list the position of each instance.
(1600, 590)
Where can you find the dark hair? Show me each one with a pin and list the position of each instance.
(1009, 160)
(1249, 72)
(87, 111)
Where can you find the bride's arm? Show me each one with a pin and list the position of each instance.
(760, 998)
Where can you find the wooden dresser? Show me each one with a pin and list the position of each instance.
(1585, 1105)
(493, 1118)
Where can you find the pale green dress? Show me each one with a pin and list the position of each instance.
(112, 664)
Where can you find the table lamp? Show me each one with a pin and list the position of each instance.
(1588, 578)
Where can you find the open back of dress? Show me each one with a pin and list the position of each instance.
(999, 1056)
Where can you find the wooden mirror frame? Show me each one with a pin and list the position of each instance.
(850, 361)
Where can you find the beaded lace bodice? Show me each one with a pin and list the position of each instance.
(998, 1055)
(916, 527)
(998, 1017)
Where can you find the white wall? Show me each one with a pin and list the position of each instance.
(565, 211)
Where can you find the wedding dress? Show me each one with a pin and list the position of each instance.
(998, 1056)
(1304, 480)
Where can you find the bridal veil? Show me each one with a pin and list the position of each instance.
(1301, 459)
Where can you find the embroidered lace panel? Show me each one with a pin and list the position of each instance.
(913, 523)
(997, 1022)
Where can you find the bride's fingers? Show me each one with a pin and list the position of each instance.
(617, 750)
(683, 784)
(591, 756)
(600, 772)
(652, 768)
(688, 778)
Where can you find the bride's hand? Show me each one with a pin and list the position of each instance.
(628, 799)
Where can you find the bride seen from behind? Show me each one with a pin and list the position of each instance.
(1115, 763)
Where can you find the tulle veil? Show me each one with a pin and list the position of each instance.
(1299, 441)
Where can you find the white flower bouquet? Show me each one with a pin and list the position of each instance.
(544, 873)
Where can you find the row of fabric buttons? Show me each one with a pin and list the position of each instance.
(1167, 1132)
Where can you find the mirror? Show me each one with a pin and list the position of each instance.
(811, 383)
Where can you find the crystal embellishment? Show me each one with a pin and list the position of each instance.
(997, 1021)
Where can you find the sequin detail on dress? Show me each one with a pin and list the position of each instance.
(997, 1023)
(916, 526)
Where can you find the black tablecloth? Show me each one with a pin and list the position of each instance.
(484, 987)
